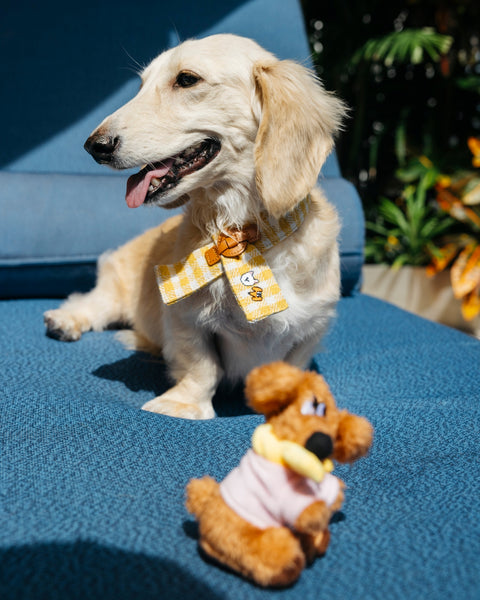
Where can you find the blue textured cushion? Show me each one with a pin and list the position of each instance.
(58, 209)
(92, 488)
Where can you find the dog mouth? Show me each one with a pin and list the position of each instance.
(157, 179)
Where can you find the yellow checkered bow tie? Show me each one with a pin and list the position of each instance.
(239, 257)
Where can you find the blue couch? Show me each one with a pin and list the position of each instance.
(91, 487)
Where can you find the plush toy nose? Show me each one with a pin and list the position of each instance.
(320, 444)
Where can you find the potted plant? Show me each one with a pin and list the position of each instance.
(411, 76)
(434, 224)
(459, 196)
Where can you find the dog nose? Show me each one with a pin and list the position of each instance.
(102, 147)
(320, 444)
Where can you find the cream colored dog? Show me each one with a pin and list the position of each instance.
(234, 134)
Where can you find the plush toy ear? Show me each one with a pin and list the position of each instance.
(272, 387)
(295, 134)
(354, 438)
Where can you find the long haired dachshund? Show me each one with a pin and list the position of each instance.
(237, 137)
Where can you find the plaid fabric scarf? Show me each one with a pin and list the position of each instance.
(238, 256)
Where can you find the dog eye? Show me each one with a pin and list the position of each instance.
(186, 79)
(313, 407)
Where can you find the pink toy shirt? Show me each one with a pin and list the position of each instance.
(267, 494)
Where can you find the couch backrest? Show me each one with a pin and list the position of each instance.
(64, 68)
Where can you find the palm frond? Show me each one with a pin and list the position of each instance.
(408, 46)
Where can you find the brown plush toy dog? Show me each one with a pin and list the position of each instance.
(269, 517)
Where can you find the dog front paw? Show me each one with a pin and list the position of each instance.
(62, 325)
(180, 409)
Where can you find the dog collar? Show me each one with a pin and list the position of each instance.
(289, 454)
(238, 256)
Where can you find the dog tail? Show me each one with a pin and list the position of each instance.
(199, 493)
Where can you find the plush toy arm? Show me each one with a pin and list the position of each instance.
(337, 505)
(314, 519)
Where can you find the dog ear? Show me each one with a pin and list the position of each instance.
(272, 387)
(354, 438)
(298, 121)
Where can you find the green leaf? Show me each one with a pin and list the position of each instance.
(417, 55)
(435, 227)
(400, 261)
(472, 83)
(401, 142)
(411, 173)
(393, 214)
(407, 46)
(377, 228)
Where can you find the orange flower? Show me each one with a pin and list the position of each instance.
(392, 240)
(471, 304)
(465, 273)
(451, 204)
(442, 259)
(474, 145)
(443, 181)
(425, 161)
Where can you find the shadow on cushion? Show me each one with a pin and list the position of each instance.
(89, 570)
(144, 372)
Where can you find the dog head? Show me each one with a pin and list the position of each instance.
(221, 119)
(300, 408)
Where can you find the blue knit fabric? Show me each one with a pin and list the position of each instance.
(92, 488)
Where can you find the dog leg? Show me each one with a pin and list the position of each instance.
(97, 309)
(301, 354)
(177, 401)
(195, 367)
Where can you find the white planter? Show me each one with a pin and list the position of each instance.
(410, 289)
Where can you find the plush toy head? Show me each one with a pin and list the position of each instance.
(269, 517)
(300, 408)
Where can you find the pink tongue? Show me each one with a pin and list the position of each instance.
(137, 185)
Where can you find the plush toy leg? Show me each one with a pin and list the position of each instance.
(273, 558)
(270, 557)
(314, 545)
(322, 541)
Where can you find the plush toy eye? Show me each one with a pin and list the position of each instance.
(186, 79)
(313, 407)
